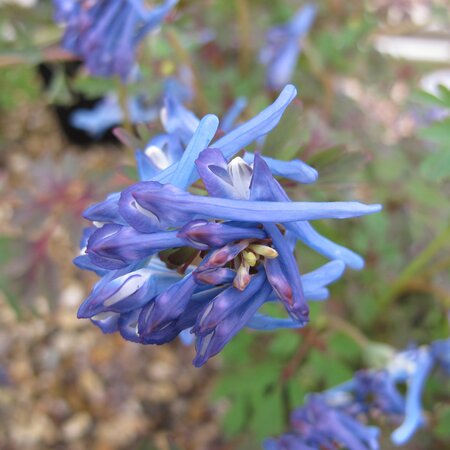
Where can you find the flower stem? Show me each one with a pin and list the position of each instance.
(185, 59)
(421, 260)
(243, 17)
(338, 324)
(122, 91)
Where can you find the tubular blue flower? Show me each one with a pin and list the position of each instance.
(203, 234)
(126, 289)
(210, 342)
(295, 170)
(115, 246)
(108, 113)
(176, 261)
(105, 33)
(246, 133)
(283, 46)
(230, 117)
(334, 416)
(164, 205)
(322, 425)
(160, 152)
(413, 367)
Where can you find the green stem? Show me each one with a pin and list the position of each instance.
(122, 91)
(338, 324)
(243, 18)
(421, 260)
(185, 57)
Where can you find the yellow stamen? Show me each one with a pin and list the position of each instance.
(250, 258)
(264, 250)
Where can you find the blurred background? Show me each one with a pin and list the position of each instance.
(372, 116)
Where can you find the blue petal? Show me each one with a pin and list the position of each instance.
(294, 170)
(203, 234)
(107, 322)
(248, 132)
(211, 344)
(85, 263)
(259, 126)
(230, 117)
(115, 246)
(186, 337)
(323, 276)
(309, 236)
(294, 302)
(152, 18)
(152, 206)
(166, 308)
(263, 322)
(106, 211)
(179, 121)
(124, 290)
(303, 19)
(281, 68)
(413, 408)
(224, 305)
(199, 141)
(161, 152)
(266, 187)
(128, 325)
(441, 352)
(222, 179)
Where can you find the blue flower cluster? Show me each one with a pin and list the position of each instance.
(173, 261)
(332, 419)
(105, 33)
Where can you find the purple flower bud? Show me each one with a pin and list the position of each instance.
(221, 256)
(203, 234)
(208, 345)
(224, 304)
(122, 291)
(166, 308)
(214, 277)
(116, 246)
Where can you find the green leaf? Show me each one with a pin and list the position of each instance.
(436, 167)
(429, 99)
(442, 428)
(236, 417)
(345, 348)
(286, 140)
(284, 343)
(437, 132)
(331, 370)
(267, 417)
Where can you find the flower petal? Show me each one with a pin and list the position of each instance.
(200, 140)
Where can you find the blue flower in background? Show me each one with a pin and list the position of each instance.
(334, 417)
(108, 113)
(105, 33)
(174, 261)
(283, 47)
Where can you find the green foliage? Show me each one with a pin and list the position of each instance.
(442, 429)
(18, 86)
(436, 165)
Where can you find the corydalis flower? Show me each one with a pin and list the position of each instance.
(105, 33)
(333, 418)
(283, 46)
(229, 251)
